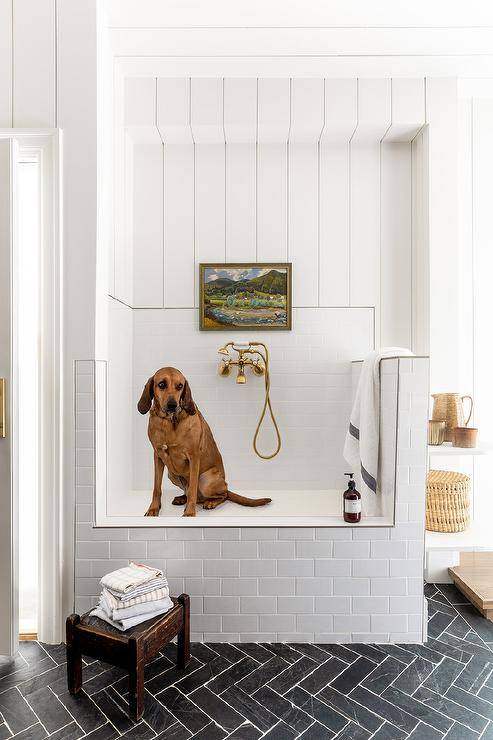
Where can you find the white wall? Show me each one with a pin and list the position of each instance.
(298, 584)
(311, 394)
(48, 57)
(312, 171)
(55, 85)
(119, 397)
(475, 163)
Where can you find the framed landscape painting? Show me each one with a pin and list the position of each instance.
(245, 296)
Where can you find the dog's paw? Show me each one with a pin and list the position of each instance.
(189, 512)
(152, 511)
(179, 500)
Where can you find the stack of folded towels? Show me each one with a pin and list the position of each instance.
(132, 595)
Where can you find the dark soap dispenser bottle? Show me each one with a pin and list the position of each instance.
(351, 502)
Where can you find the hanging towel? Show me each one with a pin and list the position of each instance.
(152, 585)
(137, 610)
(130, 577)
(119, 605)
(361, 447)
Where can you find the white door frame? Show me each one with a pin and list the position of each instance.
(47, 143)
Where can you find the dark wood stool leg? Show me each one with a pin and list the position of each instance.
(135, 680)
(183, 653)
(74, 656)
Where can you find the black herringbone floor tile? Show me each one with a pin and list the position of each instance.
(246, 691)
(350, 709)
(284, 651)
(215, 707)
(48, 709)
(383, 675)
(282, 708)
(255, 651)
(16, 712)
(281, 731)
(385, 709)
(199, 677)
(389, 732)
(414, 675)
(317, 709)
(248, 707)
(353, 675)
(292, 675)
(444, 675)
(316, 732)
(451, 709)
(228, 651)
(263, 674)
(245, 732)
(232, 675)
(322, 675)
(417, 709)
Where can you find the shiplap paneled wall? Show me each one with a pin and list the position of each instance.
(476, 308)
(312, 171)
(273, 116)
(28, 46)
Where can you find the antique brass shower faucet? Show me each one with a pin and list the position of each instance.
(243, 349)
(260, 366)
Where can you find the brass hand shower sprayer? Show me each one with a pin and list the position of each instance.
(245, 349)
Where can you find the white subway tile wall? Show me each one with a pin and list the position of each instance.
(310, 390)
(277, 584)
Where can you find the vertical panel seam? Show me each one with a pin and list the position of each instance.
(473, 276)
(55, 60)
(256, 177)
(163, 246)
(288, 190)
(195, 302)
(12, 63)
(225, 182)
(318, 195)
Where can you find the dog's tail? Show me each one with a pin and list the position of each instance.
(244, 501)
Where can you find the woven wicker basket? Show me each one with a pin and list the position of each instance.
(447, 501)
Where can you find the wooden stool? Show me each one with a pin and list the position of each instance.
(88, 635)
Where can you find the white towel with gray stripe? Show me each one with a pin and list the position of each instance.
(144, 610)
(147, 588)
(361, 448)
(118, 605)
(125, 624)
(130, 577)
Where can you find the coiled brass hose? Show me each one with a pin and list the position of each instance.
(267, 406)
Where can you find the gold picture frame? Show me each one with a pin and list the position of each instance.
(257, 307)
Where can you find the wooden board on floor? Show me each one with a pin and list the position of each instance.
(474, 578)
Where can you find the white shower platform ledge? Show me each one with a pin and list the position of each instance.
(322, 508)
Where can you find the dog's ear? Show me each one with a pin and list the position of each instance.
(147, 395)
(186, 401)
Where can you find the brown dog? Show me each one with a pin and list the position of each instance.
(183, 441)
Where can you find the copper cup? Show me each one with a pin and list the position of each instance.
(436, 432)
(464, 437)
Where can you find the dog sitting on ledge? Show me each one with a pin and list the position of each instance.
(183, 442)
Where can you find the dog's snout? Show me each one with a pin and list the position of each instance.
(171, 404)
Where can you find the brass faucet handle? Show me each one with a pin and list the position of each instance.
(224, 368)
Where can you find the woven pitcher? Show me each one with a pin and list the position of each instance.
(449, 407)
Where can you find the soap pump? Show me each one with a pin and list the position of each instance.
(351, 502)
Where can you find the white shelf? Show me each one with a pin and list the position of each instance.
(320, 509)
(477, 537)
(446, 450)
